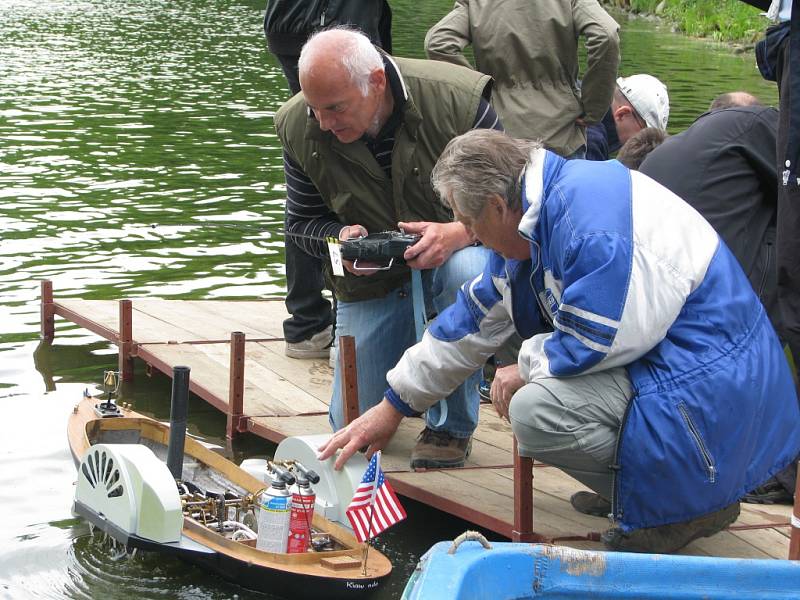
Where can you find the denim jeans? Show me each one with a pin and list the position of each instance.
(384, 328)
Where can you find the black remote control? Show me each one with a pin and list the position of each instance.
(380, 247)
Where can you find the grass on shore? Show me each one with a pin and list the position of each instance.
(721, 20)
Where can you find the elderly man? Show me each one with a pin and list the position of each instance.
(287, 25)
(359, 142)
(646, 351)
(639, 101)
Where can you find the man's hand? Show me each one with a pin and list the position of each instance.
(437, 244)
(506, 382)
(373, 429)
(349, 232)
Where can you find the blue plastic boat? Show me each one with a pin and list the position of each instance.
(505, 571)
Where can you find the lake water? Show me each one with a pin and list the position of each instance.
(138, 158)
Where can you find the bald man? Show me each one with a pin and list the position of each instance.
(360, 141)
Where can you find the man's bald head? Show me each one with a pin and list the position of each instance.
(731, 99)
(344, 84)
(341, 51)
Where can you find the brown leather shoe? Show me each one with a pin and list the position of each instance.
(590, 503)
(439, 450)
(666, 539)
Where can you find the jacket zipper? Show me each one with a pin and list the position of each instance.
(323, 13)
(616, 512)
(712, 470)
(535, 271)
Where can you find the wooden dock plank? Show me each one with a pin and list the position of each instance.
(217, 320)
(265, 394)
(146, 328)
(159, 321)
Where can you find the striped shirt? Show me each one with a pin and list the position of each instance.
(307, 215)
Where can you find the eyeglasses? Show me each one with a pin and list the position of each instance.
(639, 120)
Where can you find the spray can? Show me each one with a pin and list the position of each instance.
(302, 513)
(273, 514)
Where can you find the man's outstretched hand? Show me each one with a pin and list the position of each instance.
(373, 429)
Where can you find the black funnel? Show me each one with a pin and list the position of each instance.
(179, 407)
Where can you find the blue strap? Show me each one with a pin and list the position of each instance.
(418, 298)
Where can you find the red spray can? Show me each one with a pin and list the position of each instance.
(302, 511)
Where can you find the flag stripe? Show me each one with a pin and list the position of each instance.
(374, 510)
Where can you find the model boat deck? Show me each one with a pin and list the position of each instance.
(236, 354)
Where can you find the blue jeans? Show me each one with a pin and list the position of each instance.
(384, 328)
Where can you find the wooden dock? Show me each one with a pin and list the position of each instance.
(236, 353)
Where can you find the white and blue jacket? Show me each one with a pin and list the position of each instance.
(624, 273)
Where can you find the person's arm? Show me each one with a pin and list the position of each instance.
(308, 219)
(447, 39)
(385, 27)
(760, 150)
(610, 313)
(440, 240)
(601, 35)
(456, 344)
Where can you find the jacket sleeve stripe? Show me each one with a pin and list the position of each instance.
(589, 316)
(587, 331)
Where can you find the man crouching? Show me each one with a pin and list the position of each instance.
(649, 371)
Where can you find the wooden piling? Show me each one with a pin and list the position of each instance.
(47, 325)
(523, 498)
(347, 363)
(236, 419)
(794, 539)
(125, 343)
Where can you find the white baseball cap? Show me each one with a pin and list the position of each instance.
(649, 98)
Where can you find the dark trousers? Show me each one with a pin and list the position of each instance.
(788, 244)
(788, 223)
(311, 313)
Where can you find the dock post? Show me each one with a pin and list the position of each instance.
(236, 387)
(794, 539)
(125, 343)
(347, 363)
(47, 325)
(523, 498)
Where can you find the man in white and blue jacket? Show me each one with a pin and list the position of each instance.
(649, 372)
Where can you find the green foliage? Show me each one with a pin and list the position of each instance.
(721, 20)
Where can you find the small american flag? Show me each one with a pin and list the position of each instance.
(374, 508)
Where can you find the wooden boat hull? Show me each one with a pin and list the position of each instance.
(329, 574)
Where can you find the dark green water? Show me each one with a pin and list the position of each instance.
(129, 133)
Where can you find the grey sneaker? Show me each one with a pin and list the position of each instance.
(666, 539)
(439, 450)
(590, 503)
(317, 346)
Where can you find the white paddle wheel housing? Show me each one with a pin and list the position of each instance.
(127, 485)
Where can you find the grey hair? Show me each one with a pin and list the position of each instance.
(356, 53)
(479, 164)
(732, 99)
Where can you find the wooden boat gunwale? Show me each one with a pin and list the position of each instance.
(84, 427)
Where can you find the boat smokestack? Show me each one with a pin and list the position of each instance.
(179, 407)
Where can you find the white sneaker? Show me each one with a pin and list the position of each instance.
(318, 346)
